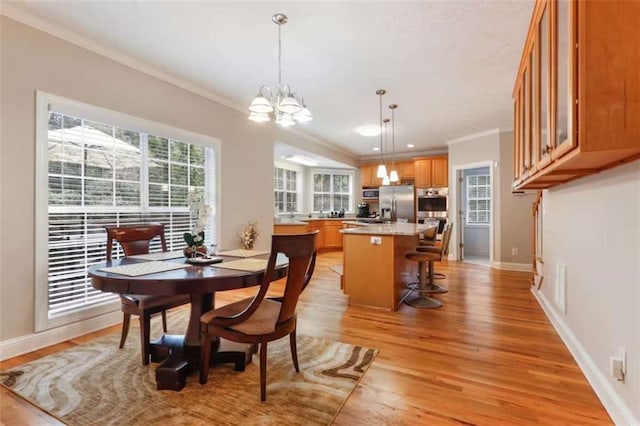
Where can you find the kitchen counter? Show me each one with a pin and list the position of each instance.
(408, 229)
(287, 221)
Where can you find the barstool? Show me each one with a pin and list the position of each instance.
(422, 300)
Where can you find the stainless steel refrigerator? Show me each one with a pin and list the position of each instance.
(397, 203)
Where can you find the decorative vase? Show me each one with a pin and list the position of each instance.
(247, 245)
(194, 251)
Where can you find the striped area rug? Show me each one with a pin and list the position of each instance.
(99, 384)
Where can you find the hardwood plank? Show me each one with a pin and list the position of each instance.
(489, 356)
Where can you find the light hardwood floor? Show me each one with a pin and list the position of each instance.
(489, 356)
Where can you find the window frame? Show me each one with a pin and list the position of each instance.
(299, 184)
(46, 102)
(332, 172)
(468, 200)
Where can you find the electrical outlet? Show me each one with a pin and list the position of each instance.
(618, 365)
(514, 251)
(376, 241)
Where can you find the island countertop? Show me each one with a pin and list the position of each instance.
(389, 229)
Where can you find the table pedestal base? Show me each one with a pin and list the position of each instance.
(178, 360)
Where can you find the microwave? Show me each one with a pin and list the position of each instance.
(370, 194)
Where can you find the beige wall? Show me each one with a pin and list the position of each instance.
(33, 60)
(512, 213)
(516, 228)
(592, 226)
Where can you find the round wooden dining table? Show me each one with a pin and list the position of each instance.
(180, 354)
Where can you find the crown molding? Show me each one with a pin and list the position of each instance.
(374, 158)
(489, 132)
(26, 18)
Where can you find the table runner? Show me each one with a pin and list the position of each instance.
(242, 253)
(159, 255)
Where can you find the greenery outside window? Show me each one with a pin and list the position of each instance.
(332, 191)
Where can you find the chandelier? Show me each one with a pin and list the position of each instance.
(287, 107)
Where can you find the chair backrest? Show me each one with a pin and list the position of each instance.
(134, 239)
(430, 234)
(301, 251)
(446, 237)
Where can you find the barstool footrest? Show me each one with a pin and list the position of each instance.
(429, 288)
(421, 301)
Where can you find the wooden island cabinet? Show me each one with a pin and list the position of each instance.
(577, 91)
(329, 236)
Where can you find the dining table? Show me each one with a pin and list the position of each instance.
(179, 355)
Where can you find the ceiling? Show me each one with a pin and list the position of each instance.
(449, 65)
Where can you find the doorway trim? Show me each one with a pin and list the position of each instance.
(454, 212)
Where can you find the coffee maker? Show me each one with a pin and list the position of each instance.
(363, 210)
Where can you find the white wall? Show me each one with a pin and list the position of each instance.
(33, 60)
(592, 226)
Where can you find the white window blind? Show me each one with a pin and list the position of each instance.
(331, 191)
(285, 191)
(478, 200)
(100, 174)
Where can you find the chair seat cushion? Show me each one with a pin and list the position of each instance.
(263, 320)
(422, 256)
(147, 301)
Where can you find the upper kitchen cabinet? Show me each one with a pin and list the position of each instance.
(577, 91)
(368, 175)
(432, 172)
(406, 170)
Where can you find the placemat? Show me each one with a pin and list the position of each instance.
(251, 265)
(242, 253)
(159, 255)
(143, 268)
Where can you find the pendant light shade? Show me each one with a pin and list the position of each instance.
(386, 181)
(393, 176)
(382, 171)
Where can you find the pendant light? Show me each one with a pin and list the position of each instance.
(393, 176)
(385, 180)
(382, 169)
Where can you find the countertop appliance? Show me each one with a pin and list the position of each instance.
(397, 203)
(363, 210)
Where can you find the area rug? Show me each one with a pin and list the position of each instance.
(99, 384)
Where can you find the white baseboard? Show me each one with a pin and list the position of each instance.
(31, 342)
(506, 266)
(620, 413)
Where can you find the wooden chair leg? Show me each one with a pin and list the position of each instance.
(145, 331)
(164, 321)
(294, 350)
(125, 329)
(263, 370)
(205, 354)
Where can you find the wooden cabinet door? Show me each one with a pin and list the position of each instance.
(368, 176)
(317, 225)
(439, 172)
(423, 173)
(406, 170)
(332, 235)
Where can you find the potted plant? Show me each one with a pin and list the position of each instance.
(200, 212)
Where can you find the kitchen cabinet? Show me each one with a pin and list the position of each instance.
(406, 170)
(432, 172)
(317, 225)
(368, 176)
(576, 92)
(289, 229)
(332, 235)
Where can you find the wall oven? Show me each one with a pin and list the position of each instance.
(431, 203)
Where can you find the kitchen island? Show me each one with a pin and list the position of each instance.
(375, 272)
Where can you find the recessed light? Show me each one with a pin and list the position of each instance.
(376, 149)
(368, 130)
(301, 160)
(410, 145)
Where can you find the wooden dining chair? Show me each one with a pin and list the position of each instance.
(135, 240)
(259, 320)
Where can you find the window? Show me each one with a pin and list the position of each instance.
(478, 200)
(285, 192)
(101, 172)
(332, 191)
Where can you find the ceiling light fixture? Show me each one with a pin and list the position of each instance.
(393, 175)
(368, 130)
(375, 148)
(382, 169)
(301, 160)
(287, 107)
(410, 145)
